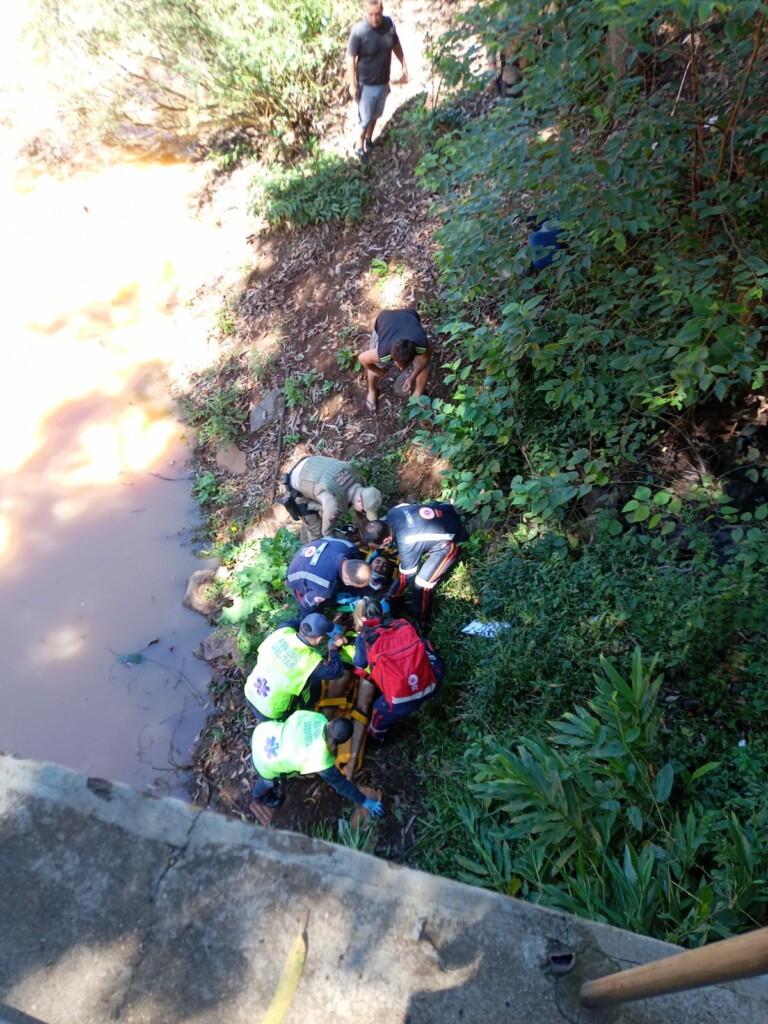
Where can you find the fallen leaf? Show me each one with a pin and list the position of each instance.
(289, 979)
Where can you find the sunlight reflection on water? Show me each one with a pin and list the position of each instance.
(95, 486)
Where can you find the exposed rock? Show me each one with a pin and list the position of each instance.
(231, 459)
(200, 596)
(221, 643)
(267, 411)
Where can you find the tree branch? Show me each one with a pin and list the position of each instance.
(737, 105)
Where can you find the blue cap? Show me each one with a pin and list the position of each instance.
(315, 624)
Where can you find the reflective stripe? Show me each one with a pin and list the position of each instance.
(425, 584)
(409, 572)
(413, 696)
(320, 549)
(310, 577)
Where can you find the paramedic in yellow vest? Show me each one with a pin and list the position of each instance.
(305, 744)
(291, 665)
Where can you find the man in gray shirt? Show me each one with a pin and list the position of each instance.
(369, 57)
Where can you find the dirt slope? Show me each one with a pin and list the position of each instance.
(311, 295)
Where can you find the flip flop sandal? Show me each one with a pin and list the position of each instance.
(371, 406)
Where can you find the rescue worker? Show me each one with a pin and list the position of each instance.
(304, 744)
(427, 537)
(291, 665)
(398, 670)
(398, 340)
(329, 487)
(318, 572)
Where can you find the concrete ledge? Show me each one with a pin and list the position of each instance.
(122, 907)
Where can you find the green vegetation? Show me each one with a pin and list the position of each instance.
(217, 409)
(584, 823)
(258, 587)
(296, 388)
(205, 487)
(568, 810)
(139, 70)
(347, 360)
(322, 188)
(655, 303)
(607, 752)
(225, 319)
(603, 793)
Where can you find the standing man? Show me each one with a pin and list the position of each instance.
(399, 340)
(317, 572)
(330, 487)
(427, 538)
(369, 57)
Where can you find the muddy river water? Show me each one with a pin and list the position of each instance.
(96, 513)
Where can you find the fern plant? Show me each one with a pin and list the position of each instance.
(584, 821)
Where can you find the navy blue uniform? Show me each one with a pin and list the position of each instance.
(314, 575)
(427, 538)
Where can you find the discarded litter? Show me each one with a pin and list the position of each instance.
(488, 629)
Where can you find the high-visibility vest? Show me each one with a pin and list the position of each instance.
(283, 665)
(296, 745)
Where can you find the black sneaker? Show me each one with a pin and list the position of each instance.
(362, 156)
(370, 145)
(273, 798)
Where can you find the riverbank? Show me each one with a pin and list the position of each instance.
(295, 326)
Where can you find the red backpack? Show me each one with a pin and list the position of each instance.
(397, 661)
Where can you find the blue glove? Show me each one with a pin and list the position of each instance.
(336, 631)
(384, 605)
(374, 808)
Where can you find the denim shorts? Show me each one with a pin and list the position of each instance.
(370, 106)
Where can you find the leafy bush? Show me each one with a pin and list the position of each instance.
(567, 608)
(144, 68)
(655, 175)
(325, 187)
(218, 416)
(258, 588)
(585, 822)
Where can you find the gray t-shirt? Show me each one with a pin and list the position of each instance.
(373, 49)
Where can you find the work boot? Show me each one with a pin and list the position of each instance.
(273, 798)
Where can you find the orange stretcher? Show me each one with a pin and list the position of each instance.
(345, 706)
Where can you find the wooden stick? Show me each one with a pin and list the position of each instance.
(279, 455)
(741, 957)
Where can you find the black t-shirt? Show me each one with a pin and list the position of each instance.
(392, 325)
(373, 49)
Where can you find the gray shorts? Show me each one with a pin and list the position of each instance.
(370, 106)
